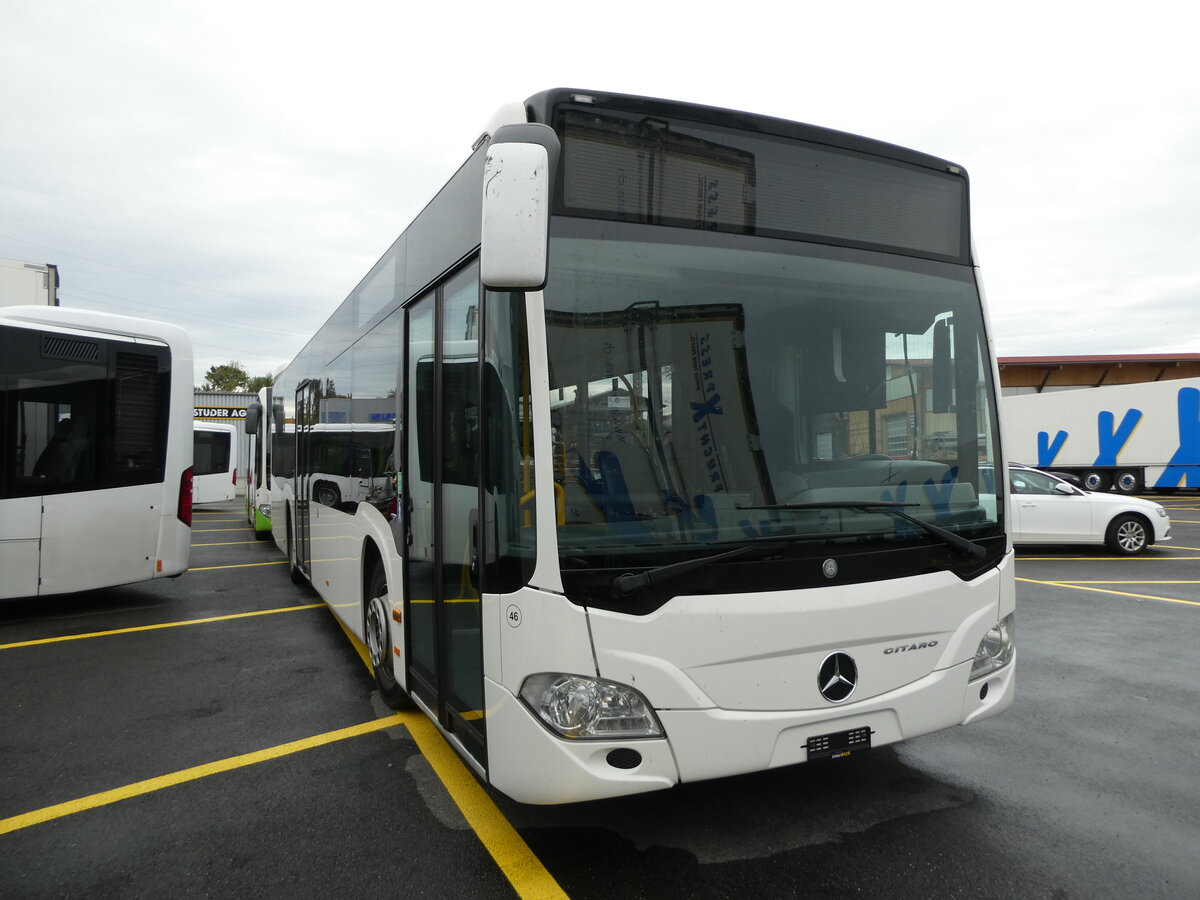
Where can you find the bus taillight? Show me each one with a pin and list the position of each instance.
(235, 476)
(185, 497)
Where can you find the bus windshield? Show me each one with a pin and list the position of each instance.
(722, 388)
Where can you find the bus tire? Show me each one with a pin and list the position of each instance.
(1127, 535)
(379, 641)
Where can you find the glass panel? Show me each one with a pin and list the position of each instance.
(460, 490)
(636, 169)
(698, 387)
(210, 452)
(373, 414)
(81, 414)
(419, 485)
(508, 480)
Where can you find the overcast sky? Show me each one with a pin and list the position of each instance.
(238, 167)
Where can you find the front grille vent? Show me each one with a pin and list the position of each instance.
(58, 347)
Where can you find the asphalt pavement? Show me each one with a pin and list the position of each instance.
(218, 735)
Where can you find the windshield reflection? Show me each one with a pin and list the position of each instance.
(695, 386)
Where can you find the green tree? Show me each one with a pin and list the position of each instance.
(232, 376)
(258, 382)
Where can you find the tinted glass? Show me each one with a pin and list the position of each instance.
(638, 169)
(698, 387)
(81, 413)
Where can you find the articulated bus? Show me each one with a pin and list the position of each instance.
(691, 414)
(214, 462)
(96, 456)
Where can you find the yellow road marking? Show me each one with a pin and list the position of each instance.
(216, 530)
(104, 798)
(520, 865)
(226, 544)
(1106, 558)
(277, 562)
(96, 634)
(1080, 587)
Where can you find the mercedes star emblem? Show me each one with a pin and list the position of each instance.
(837, 677)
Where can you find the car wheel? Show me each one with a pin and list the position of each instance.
(1128, 482)
(1127, 535)
(1095, 480)
(379, 641)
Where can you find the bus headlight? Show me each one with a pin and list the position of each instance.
(265, 509)
(575, 706)
(996, 649)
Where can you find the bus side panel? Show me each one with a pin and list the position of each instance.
(79, 553)
(20, 534)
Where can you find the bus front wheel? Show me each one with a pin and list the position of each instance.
(379, 642)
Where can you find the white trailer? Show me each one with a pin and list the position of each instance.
(1130, 437)
(24, 283)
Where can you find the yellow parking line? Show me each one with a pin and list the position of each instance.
(225, 543)
(520, 865)
(210, 530)
(277, 562)
(1106, 558)
(95, 634)
(104, 798)
(1079, 587)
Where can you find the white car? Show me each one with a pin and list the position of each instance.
(1044, 509)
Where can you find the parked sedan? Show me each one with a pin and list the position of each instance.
(1045, 509)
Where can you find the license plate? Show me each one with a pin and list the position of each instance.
(839, 745)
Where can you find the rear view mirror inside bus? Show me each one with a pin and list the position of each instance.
(516, 207)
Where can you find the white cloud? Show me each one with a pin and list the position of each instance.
(238, 167)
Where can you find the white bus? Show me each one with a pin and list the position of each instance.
(96, 456)
(693, 413)
(214, 462)
(258, 466)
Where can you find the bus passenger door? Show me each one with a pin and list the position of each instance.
(442, 482)
(306, 418)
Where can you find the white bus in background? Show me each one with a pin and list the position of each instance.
(258, 426)
(214, 462)
(96, 450)
(693, 412)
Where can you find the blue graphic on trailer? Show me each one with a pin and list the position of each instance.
(1184, 466)
(1047, 449)
(1183, 469)
(1113, 442)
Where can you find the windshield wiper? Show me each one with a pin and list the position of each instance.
(628, 584)
(967, 548)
